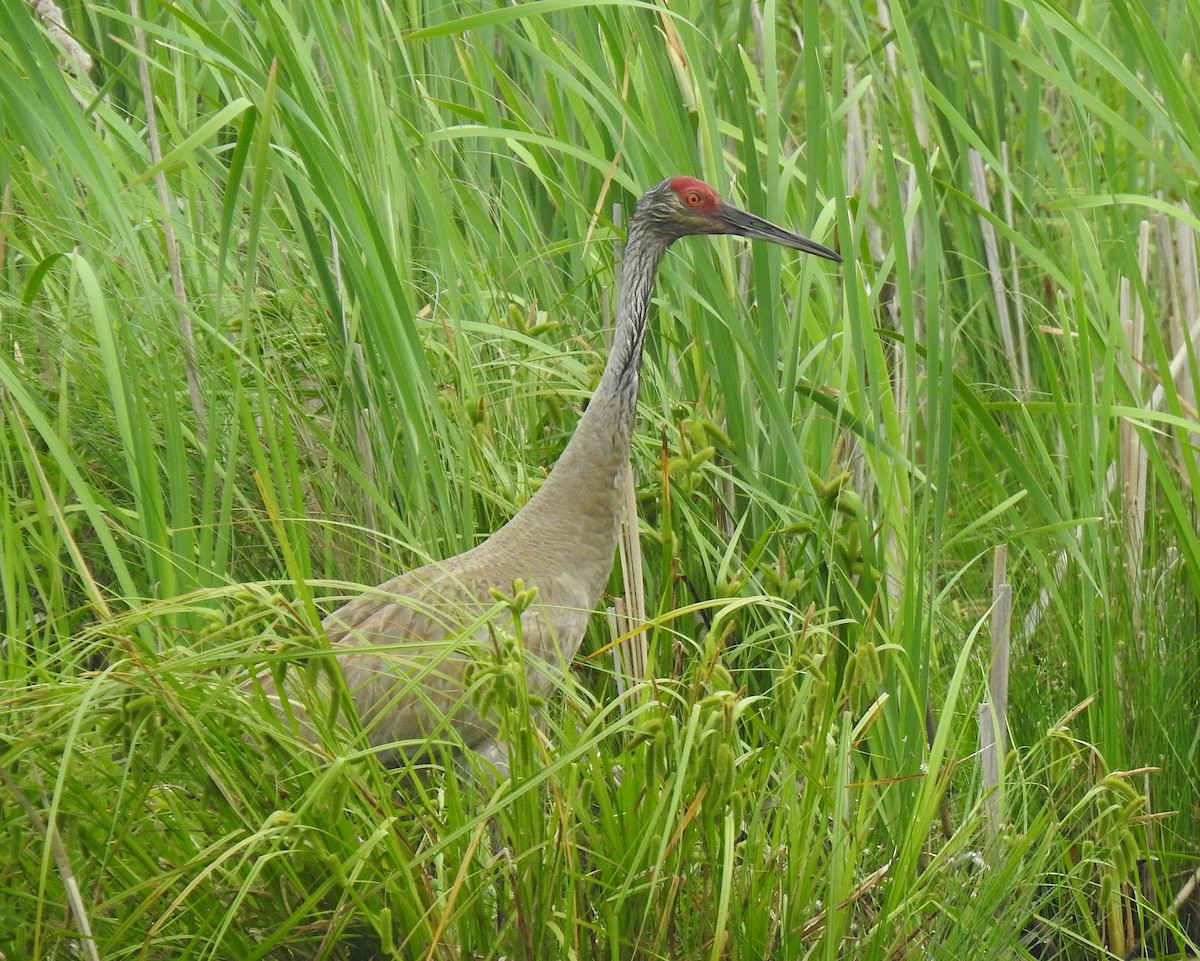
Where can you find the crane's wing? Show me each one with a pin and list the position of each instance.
(421, 653)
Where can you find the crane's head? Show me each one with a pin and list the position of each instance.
(680, 206)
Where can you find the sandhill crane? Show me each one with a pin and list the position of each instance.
(405, 648)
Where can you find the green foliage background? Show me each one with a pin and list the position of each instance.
(397, 228)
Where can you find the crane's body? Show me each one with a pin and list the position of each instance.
(405, 647)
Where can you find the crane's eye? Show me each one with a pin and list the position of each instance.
(693, 198)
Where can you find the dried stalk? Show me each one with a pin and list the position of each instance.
(165, 201)
(993, 713)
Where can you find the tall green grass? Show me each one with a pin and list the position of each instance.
(397, 231)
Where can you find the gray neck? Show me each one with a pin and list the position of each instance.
(584, 491)
(615, 399)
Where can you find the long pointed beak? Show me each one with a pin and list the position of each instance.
(748, 225)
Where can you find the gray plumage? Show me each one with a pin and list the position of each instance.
(405, 648)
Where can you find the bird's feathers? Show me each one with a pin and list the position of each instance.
(407, 648)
